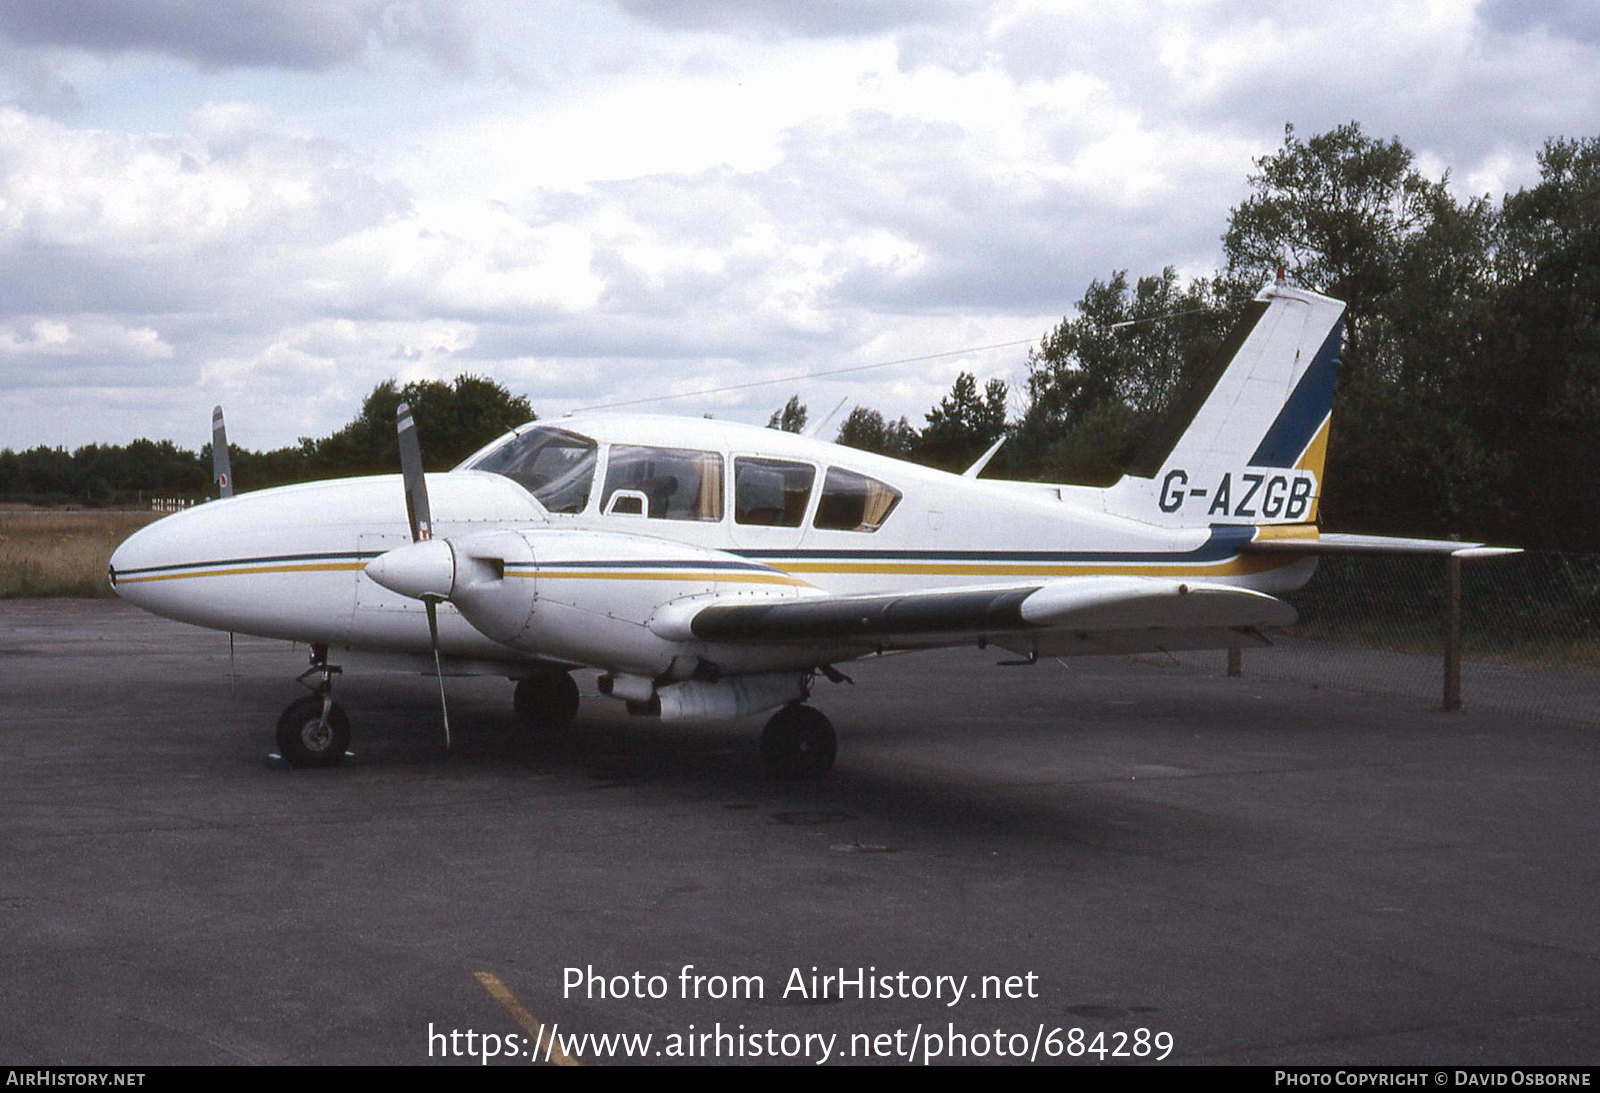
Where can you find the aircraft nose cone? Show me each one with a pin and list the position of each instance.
(418, 570)
(118, 563)
(142, 562)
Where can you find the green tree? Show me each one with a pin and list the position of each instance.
(963, 424)
(1335, 212)
(453, 420)
(1099, 381)
(1351, 216)
(867, 430)
(791, 419)
(47, 476)
(1538, 389)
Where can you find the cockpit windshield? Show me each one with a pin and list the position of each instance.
(556, 466)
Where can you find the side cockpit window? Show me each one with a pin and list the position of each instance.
(771, 492)
(668, 483)
(556, 466)
(854, 502)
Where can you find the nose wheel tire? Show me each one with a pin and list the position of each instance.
(798, 742)
(546, 701)
(308, 739)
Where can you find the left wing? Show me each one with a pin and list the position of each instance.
(1091, 614)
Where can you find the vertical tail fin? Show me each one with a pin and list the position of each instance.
(1247, 444)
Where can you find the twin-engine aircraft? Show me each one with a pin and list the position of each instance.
(711, 570)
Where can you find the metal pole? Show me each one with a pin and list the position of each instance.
(1452, 637)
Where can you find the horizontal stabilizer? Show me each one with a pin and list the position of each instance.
(1376, 544)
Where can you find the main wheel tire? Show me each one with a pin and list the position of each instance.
(547, 701)
(305, 740)
(798, 742)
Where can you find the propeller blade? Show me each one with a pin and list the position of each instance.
(421, 519)
(221, 465)
(416, 483)
(438, 666)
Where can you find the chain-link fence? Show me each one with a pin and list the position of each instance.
(1530, 632)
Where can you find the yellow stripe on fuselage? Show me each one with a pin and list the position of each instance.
(1236, 566)
(1285, 531)
(341, 567)
(725, 576)
(786, 574)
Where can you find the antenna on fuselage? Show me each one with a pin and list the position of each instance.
(1159, 318)
(983, 460)
(816, 427)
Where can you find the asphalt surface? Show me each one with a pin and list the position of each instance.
(1263, 871)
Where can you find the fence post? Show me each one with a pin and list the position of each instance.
(1452, 637)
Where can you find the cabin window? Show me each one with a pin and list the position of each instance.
(556, 466)
(771, 492)
(854, 502)
(677, 483)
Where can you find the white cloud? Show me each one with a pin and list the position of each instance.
(104, 221)
(81, 338)
(292, 34)
(646, 197)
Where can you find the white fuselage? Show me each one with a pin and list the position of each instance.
(599, 588)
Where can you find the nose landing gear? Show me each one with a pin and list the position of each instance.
(314, 731)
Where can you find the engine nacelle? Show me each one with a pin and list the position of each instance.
(726, 699)
(496, 586)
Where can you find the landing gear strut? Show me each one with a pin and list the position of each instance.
(313, 731)
(798, 742)
(547, 700)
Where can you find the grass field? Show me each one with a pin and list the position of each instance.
(45, 552)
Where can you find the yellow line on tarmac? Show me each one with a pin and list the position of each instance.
(525, 1020)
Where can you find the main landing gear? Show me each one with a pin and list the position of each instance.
(546, 700)
(314, 731)
(798, 743)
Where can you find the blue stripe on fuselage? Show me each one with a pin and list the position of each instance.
(1222, 544)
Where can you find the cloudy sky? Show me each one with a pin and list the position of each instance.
(275, 204)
